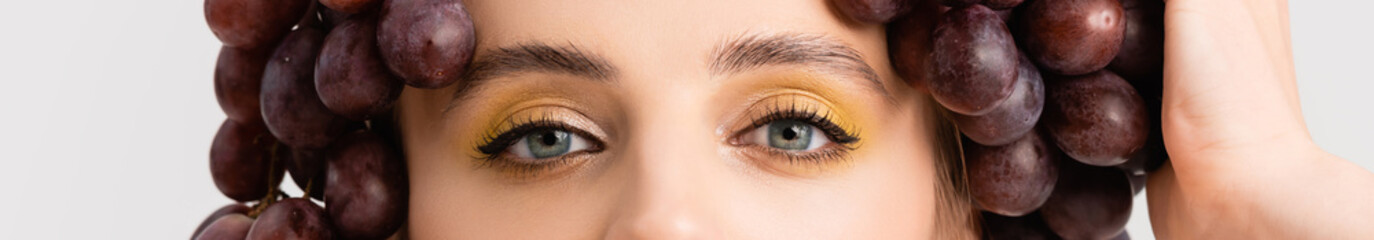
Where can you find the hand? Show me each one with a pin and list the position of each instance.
(1243, 164)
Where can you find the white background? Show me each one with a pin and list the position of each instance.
(107, 112)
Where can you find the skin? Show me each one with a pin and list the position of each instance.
(1243, 164)
(671, 166)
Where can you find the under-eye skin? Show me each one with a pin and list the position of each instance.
(798, 136)
(535, 148)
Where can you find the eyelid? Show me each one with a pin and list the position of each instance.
(507, 139)
(833, 132)
(530, 169)
(557, 111)
(792, 104)
(525, 118)
(797, 105)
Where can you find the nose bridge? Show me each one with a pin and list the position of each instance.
(670, 153)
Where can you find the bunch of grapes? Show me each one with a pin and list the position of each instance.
(1054, 99)
(308, 87)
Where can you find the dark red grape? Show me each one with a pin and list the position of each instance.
(958, 3)
(238, 208)
(909, 40)
(1150, 88)
(312, 18)
(1153, 154)
(307, 170)
(1007, 15)
(1029, 227)
(1012, 179)
(385, 127)
(241, 161)
(1097, 118)
(350, 6)
(1142, 50)
(253, 23)
(426, 42)
(1001, 4)
(872, 11)
(1145, 159)
(1162, 157)
(367, 186)
(294, 218)
(1088, 202)
(1012, 118)
(233, 226)
(238, 80)
(331, 17)
(351, 79)
(1072, 37)
(290, 106)
(975, 61)
(1141, 59)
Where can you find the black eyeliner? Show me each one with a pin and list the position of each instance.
(498, 143)
(836, 133)
(493, 148)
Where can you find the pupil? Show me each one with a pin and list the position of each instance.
(548, 138)
(790, 133)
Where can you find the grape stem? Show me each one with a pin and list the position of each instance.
(274, 194)
(308, 185)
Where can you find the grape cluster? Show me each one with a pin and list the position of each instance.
(308, 89)
(1057, 101)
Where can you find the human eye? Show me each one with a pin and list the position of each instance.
(547, 143)
(534, 148)
(789, 135)
(798, 135)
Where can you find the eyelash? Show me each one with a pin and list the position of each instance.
(837, 135)
(494, 147)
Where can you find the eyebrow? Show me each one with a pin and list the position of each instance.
(752, 51)
(543, 58)
(740, 54)
(535, 57)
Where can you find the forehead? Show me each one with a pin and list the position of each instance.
(660, 37)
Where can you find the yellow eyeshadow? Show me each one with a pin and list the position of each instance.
(503, 113)
(819, 162)
(783, 100)
(531, 111)
(847, 105)
(528, 112)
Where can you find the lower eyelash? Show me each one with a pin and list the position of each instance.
(836, 152)
(493, 148)
(519, 170)
(821, 156)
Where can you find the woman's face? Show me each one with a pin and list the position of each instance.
(774, 119)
